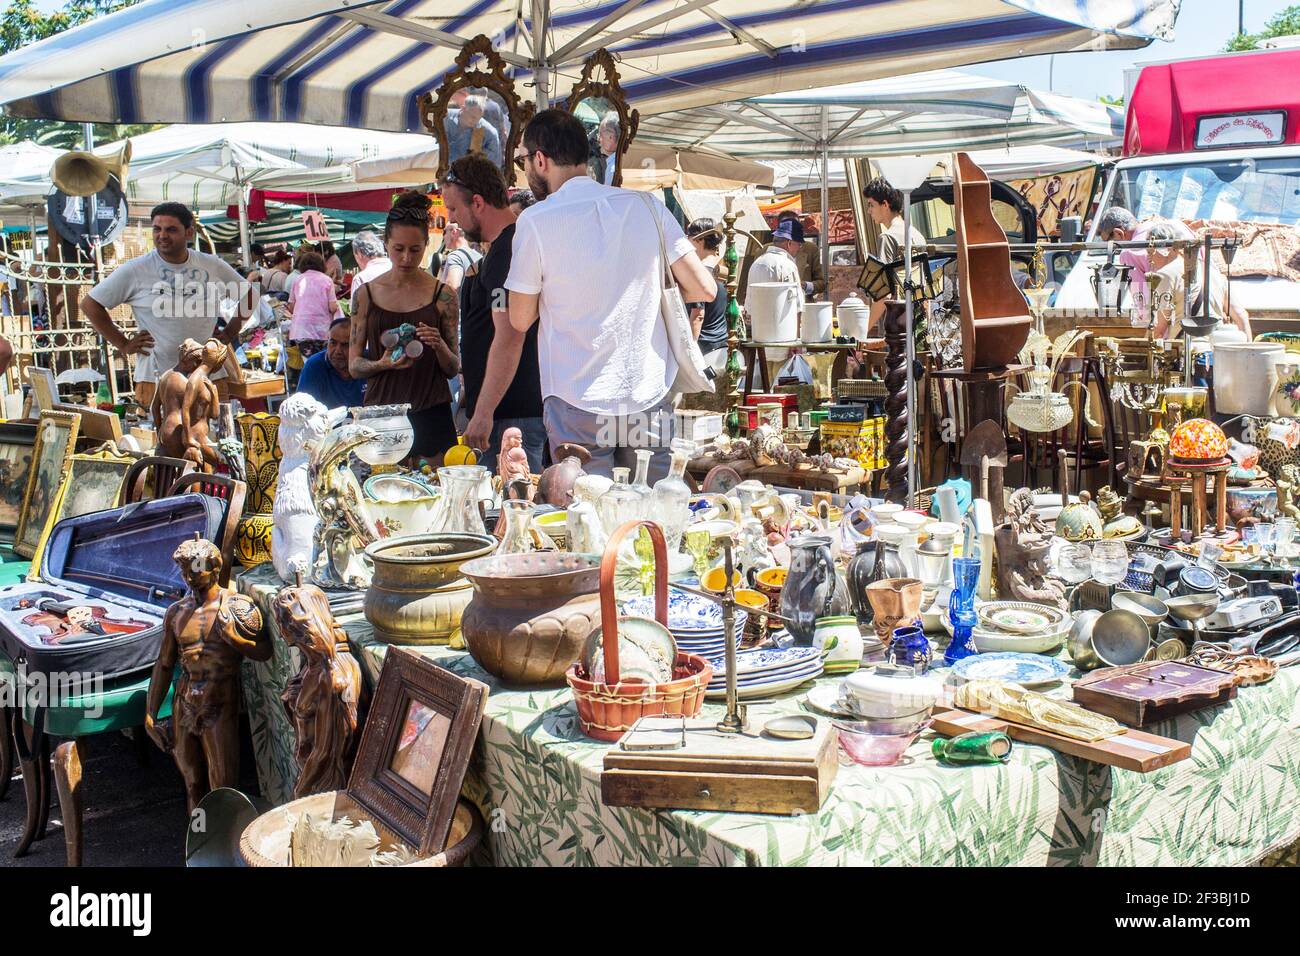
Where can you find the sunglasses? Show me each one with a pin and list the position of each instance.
(452, 178)
(523, 158)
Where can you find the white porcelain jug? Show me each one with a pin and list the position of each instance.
(773, 309)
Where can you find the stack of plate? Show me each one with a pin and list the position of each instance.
(695, 622)
(1018, 627)
(763, 672)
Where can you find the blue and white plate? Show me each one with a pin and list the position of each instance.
(1028, 670)
(780, 677)
(764, 661)
(782, 683)
(686, 612)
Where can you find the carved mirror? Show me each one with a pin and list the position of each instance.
(476, 109)
(602, 107)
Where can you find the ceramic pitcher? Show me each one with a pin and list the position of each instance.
(812, 589)
(1286, 395)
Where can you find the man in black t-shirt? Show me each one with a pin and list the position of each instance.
(502, 382)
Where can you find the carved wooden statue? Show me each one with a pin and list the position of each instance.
(209, 631)
(168, 408)
(201, 405)
(322, 697)
(1023, 544)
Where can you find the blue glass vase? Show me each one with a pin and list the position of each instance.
(961, 609)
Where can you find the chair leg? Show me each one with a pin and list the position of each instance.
(34, 757)
(6, 750)
(67, 778)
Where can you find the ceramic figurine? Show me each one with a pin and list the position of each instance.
(1288, 486)
(200, 406)
(207, 632)
(512, 462)
(303, 422)
(1022, 545)
(168, 407)
(753, 555)
(321, 699)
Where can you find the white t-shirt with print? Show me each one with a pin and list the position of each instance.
(591, 253)
(171, 301)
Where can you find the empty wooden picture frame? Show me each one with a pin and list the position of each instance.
(56, 436)
(416, 747)
(45, 390)
(17, 450)
(94, 484)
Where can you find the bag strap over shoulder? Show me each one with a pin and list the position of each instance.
(670, 281)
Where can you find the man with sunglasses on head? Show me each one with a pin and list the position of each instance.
(502, 385)
(587, 267)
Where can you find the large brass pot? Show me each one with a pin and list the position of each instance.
(531, 613)
(417, 593)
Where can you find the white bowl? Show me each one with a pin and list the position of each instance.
(876, 694)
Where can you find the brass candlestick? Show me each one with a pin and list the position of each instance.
(734, 720)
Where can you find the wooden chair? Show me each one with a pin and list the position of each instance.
(152, 477)
(1088, 453)
(227, 489)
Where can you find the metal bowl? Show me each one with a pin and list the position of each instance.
(1150, 608)
(1193, 607)
(1080, 640)
(1120, 637)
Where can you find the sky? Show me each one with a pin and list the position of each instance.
(1203, 28)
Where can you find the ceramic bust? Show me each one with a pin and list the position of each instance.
(207, 633)
(167, 409)
(303, 420)
(321, 699)
(1023, 544)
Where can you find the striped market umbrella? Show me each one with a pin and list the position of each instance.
(365, 65)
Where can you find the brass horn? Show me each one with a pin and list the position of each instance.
(79, 173)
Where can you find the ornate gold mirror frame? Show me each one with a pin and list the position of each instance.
(616, 101)
(437, 109)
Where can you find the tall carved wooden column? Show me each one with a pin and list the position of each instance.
(894, 326)
(729, 272)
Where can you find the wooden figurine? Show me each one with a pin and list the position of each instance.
(1023, 544)
(209, 631)
(168, 408)
(201, 405)
(321, 699)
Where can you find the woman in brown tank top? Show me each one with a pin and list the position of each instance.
(406, 293)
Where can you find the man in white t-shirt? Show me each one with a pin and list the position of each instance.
(175, 293)
(372, 262)
(586, 262)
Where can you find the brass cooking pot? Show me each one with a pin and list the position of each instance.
(417, 593)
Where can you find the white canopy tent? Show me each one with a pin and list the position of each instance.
(366, 64)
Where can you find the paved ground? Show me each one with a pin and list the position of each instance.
(134, 816)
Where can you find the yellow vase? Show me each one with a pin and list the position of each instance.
(260, 434)
(253, 539)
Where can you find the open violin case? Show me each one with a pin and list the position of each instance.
(106, 580)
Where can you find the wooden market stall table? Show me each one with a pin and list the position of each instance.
(803, 477)
(536, 779)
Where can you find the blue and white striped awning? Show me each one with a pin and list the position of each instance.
(934, 112)
(365, 65)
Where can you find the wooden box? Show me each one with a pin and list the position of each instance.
(1140, 694)
(740, 773)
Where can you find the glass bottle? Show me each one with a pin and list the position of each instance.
(460, 494)
(641, 486)
(961, 609)
(619, 504)
(671, 498)
(518, 537)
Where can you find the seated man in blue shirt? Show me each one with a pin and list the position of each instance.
(325, 376)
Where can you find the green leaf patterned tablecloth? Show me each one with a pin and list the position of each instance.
(537, 780)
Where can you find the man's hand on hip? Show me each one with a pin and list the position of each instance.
(139, 344)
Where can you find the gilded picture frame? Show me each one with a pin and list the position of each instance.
(610, 93)
(94, 484)
(415, 749)
(56, 437)
(17, 451)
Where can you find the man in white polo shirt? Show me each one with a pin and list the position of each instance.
(586, 262)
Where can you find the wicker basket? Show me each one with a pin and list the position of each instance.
(860, 388)
(608, 710)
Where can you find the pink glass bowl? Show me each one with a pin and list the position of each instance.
(878, 743)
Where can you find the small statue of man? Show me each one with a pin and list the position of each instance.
(201, 405)
(168, 408)
(209, 631)
(321, 699)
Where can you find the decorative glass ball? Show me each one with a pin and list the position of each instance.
(1198, 440)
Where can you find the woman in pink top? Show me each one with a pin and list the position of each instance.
(312, 304)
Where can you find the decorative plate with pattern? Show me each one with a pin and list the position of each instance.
(1019, 617)
(1028, 670)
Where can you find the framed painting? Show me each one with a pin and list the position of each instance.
(56, 436)
(17, 447)
(94, 484)
(416, 748)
